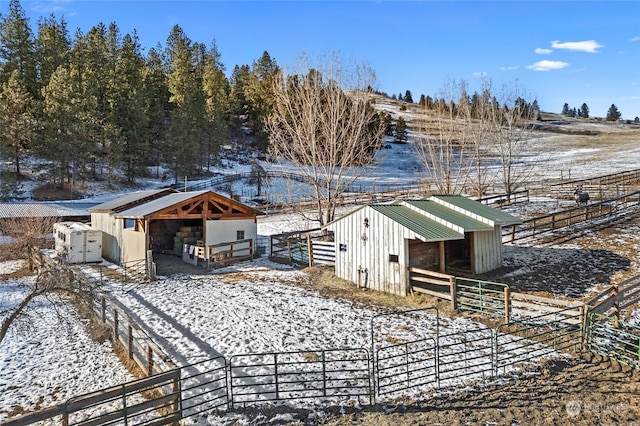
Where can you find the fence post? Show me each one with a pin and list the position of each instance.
(271, 246)
(130, 342)
(177, 392)
(115, 326)
(507, 304)
(616, 306)
(149, 360)
(452, 289)
(104, 309)
(309, 250)
(275, 375)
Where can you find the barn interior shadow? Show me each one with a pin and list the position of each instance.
(560, 271)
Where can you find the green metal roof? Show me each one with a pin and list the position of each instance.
(429, 229)
(469, 224)
(477, 208)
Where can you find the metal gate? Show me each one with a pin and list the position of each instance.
(319, 374)
(536, 337)
(615, 339)
(406, 365)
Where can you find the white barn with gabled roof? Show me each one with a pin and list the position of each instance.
(164, 220)
(376, 244)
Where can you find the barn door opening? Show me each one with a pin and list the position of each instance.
(458, 254)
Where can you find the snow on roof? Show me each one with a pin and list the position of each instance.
(150, 207)
(19, 210)
(133, 197)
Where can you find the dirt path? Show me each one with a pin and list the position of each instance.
(564, 393)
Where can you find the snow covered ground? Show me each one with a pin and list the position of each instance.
(258, 307)
(47, 360)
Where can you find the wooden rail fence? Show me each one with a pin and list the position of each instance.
(537, 226)
(126, 333)
(496, 299)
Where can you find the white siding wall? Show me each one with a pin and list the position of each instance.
(225, 231)
(134, 246)
(487, 250)
(111, 234)
(384, 237)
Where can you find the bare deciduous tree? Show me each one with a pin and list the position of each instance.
(513, 135)
(442, 148)
(323, 125)
(477, 140)
(24, 235)
(48, 284)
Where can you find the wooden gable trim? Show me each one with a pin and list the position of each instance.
(205, 206)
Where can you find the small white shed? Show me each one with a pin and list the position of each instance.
(77, 242)
(377, 245)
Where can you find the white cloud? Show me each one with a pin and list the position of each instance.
(589, 46)
(511, 68)
(548, 65)
(480, 74)
(636, 38)
(541, 51)
(54, 6)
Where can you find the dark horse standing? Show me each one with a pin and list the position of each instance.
(580, 196)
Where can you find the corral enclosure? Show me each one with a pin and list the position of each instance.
(526, 266)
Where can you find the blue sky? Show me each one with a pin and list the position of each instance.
(559, 51)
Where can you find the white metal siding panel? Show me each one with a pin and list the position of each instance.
(487, 250)
(225, 231)
(384, 237)
(111, 234)
(133, 246)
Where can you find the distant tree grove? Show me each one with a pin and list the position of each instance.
(90, 104)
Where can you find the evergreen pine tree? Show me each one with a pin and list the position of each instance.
(584, 111)
(17, 50)
(17, 120)
(565, 110)
(52, 48)
(613, 114)
(401, 131)
(408, 97)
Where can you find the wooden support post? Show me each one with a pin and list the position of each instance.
(507, 304)
(149, 361)
(271, 246)
(616, 306)
(442, 254)
(309, 250)
(175, 388)
(104, 310)
(130, 342)
(452, 289)
(115, 326)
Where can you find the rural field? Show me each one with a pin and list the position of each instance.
(263, 306)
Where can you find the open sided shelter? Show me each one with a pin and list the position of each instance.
(376, 244)
(165, 220)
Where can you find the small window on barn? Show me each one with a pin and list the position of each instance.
(240, 235)
(343, 247)
(129, 223)
(394, 258)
